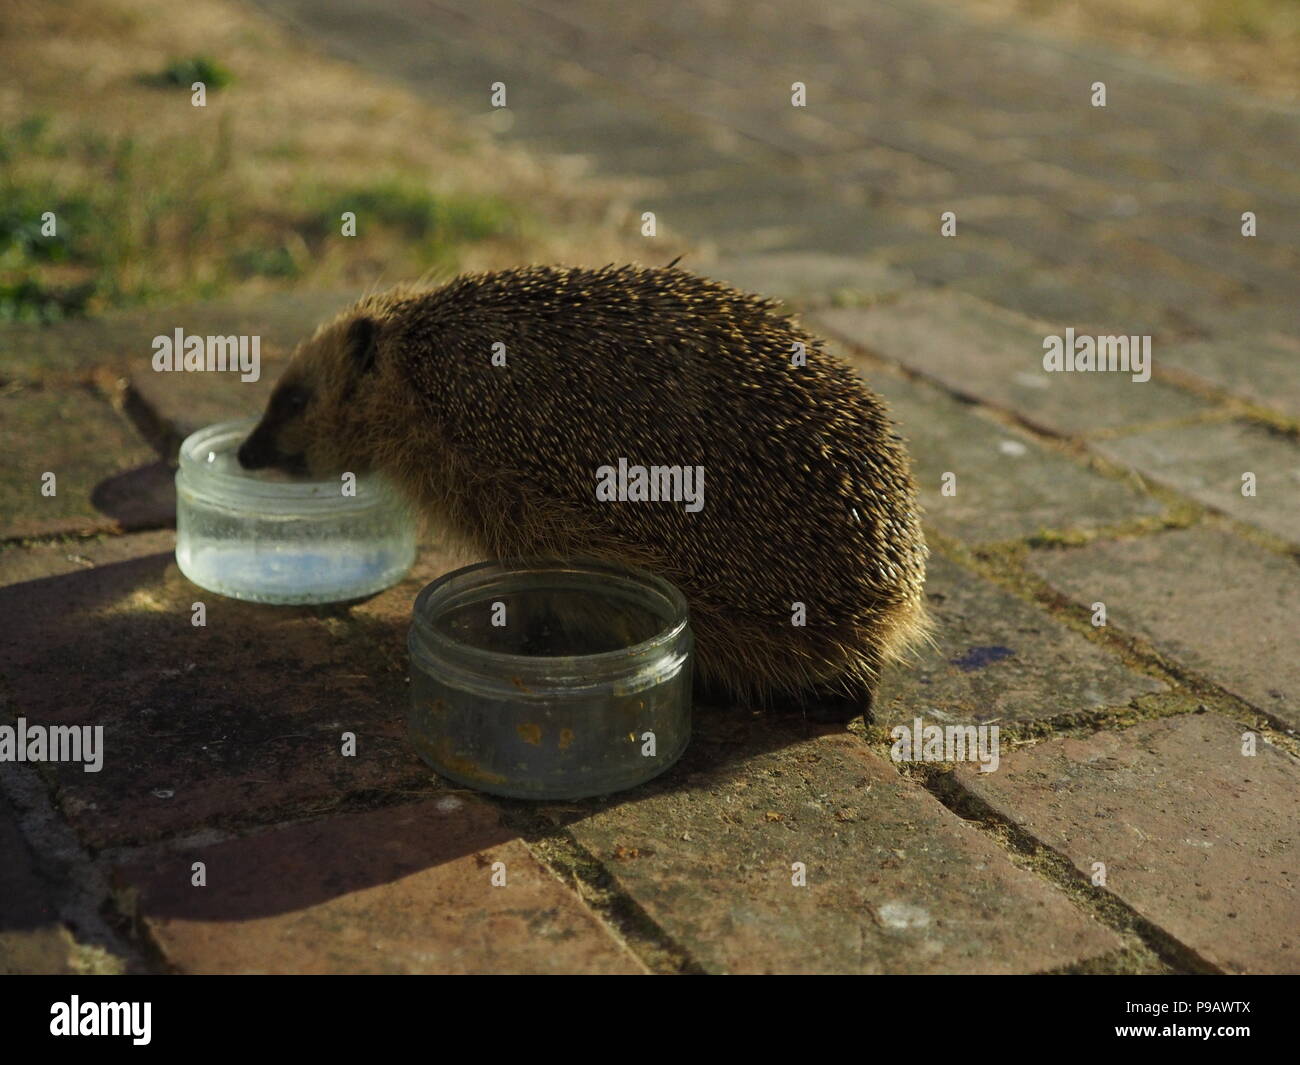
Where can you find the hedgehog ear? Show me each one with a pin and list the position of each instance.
(363, 344)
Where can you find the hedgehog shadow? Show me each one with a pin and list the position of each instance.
(725, 739)
(232, 731)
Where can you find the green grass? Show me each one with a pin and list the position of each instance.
(28, 300)
(185, 72)
(417, 214)
(175, 217)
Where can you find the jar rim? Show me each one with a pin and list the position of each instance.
(238, 491)
(442, 590)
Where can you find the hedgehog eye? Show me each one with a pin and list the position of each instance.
(293, 399)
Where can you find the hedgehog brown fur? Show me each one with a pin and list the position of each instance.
(807, 496)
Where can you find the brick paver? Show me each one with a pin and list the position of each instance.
(1205, 599)
(103, 478)
(1193, 834)
(1263, 368)
(997, 357)
(124, 340)
(809, 279)
(31, 938)
(1210, 464)
(981, 481)
(997, 659)
(894, 882)
(405, 889)
(911, 111)
(239, 719)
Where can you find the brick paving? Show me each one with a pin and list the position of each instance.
(1191, 834)
(403, 889)
(1161, 744)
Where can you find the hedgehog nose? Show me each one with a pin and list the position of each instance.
(253, 454)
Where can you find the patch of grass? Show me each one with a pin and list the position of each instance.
(37, 223)
(185, 72)
(109, 217)
(26, 299)
(157, 200)
(40, 227)
(278, 261)
(1059, 538)
(412, 211)
(87, 219)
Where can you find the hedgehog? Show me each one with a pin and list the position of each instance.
(803, 570)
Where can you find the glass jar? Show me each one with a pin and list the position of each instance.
(263, 536)
(550, 680)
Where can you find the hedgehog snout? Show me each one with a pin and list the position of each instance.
(259, 452)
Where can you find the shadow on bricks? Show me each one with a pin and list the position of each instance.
(140, 498)
(238, 724)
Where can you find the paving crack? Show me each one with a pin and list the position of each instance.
(587, 876)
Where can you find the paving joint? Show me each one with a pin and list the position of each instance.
(590, 879)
